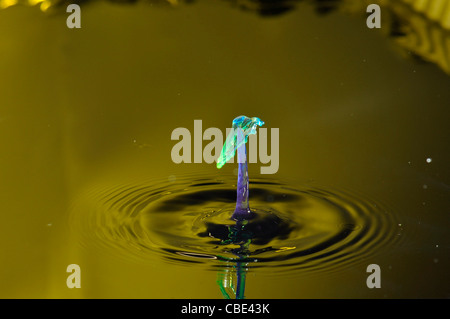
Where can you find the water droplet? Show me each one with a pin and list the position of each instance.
(425, 186)
(429, 160)
(435, 260)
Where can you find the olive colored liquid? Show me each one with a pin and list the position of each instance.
(86, 117)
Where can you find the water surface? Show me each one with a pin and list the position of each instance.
(86, 117)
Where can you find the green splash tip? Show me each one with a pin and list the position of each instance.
(248, 126)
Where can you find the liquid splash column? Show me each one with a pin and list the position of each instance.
(243, 126)
(242, 210)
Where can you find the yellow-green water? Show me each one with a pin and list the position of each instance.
(86, 117)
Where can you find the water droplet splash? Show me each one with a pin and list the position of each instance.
(208, 221)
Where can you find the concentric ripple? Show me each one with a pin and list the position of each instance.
(187, 221)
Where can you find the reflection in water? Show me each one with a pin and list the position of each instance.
(420, 27)
(237, 235)
(226, 279)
